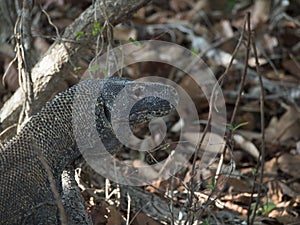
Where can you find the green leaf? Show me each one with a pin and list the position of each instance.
(265, 209)
(95, 68)
(79, 34)
(212, 185)
(96, 25)
(135, 42)
(194, 52)
(97, 28)
(268, 207)
(233, 128)
(206, 222)
(229, 6)
(76, 68)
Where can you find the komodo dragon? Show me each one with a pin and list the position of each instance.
(25, 193)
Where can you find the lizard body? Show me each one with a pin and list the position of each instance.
(25, 193)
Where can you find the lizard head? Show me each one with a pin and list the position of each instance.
(119, 103)
(137, 102)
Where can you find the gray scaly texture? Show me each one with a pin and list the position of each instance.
(25, 193)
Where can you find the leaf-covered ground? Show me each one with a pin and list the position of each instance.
(260, 179)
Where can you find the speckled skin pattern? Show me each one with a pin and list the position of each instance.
(25, 193)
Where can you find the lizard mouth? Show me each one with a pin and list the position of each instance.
(143, 111)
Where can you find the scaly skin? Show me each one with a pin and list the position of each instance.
(25, 193)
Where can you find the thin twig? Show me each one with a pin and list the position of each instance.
(58, 36)
(244, 74)
(5, 131)
(22, 31)
(7, 70)
(221, 79)
(128, 209)
(220, 82)
(262, 124)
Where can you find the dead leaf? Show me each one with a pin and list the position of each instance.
(178, 5)
(123, 33)
(292, 67)
(99, 213)
(289, 164)
(261, 11)
(238, 185)
(143, 219)
(145, 170)
(246, 145)
(114, 216)
(286, 128)
(212, 145)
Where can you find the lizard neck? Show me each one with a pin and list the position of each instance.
(50, 133)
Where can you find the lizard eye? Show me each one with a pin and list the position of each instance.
(138, 91)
